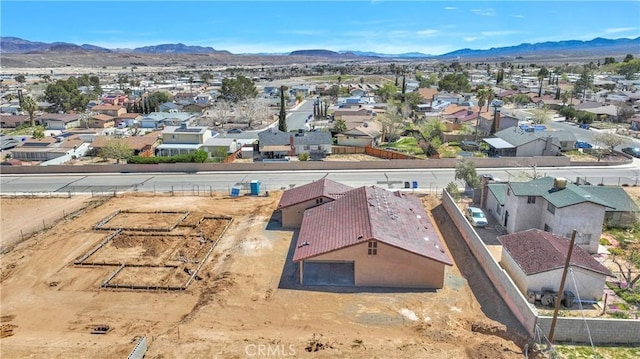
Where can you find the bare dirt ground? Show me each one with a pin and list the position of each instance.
(247, 299)
(28, 215)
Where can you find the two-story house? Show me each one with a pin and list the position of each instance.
(109, 110)
(177, 140)
(277, 144)
(552, 204)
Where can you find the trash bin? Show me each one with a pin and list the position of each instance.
(407, 185)
(235, 191)
(415, 184)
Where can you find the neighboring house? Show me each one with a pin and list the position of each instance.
(50, 148)
(115, 99)
(275, 144)
(535, 261)
(194, 108)
(486, 121)
(203, 99)
(129, 119)
(13, 121)
(169, 107)
(296, 200)
(626, 212)
(357, 92)
(54, 121)
(101, 121)
(367, 134)
(515, 142)
(371, 237)
(551, 204)
(160, 119)
(221, 146)
(187, 97)
(140, 145)
(177, 140)
(110, 110)
(300, 89)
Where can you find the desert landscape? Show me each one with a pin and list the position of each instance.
(244, 297)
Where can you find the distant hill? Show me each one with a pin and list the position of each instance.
(178, 49)
(408, 55)
(572, 48)
(315, 53)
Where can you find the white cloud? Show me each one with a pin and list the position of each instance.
(498, 33)
(470, 38)
(484, 12)
(518, 16)
(427, 33)
(450, 8)
(618, 29)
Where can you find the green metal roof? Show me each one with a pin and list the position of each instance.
(568, 196)
(617, 196)
(499, 190)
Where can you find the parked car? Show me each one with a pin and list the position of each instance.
(582, 144)
(633, 151)
(469, 146)
(234, 130)
(476, 217)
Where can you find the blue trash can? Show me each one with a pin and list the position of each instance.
(415, 184)
(235, 191)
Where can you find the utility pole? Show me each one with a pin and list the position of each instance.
(561, 289)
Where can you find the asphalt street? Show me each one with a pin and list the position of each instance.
(205, 182)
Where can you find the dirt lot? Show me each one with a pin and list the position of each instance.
(246, 301)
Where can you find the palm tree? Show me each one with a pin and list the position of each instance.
(484, 95)
(30, 105)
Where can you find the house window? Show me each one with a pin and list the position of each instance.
(531, 199)
(373, 248)
(498, 208)
(551, 208)
(319, 200)
(547, 228)
(307, 147)
(508, 191)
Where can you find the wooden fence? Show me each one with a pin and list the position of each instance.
(346, 150)
(388, 155)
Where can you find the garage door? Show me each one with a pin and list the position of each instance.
(328, 273)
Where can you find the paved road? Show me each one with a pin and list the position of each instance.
(296, 118)
(203, 182)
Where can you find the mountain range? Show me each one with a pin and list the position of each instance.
(601, 47)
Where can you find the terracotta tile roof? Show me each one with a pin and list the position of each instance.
(369, 213)
(130, 115)
(101, 117)
(537, 251)
(427, 93)
(324, 187)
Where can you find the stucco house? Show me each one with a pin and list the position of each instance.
(182, 139)
(110, 110)
(535, 260)
(274, 143)
(516, 142)
(370, 237)
(551, 204)
(367, 134)
(55, 121)
(626, 212)
(101, 121)
(295, 201)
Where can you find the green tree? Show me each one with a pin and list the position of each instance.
(584, 83)
(20, 79)
(387, 91)
(484, 96)
(624, 112)
(339, 126)
(628, 58)
(454, 191)
(627, 259)
(455, 83)
(433, 128)
(30, 105)
(412, 99)
(238, 89)
(609, 60)
(38, 132)
(199, 156)
(629, 68)
(393, 121)
(64, 95)
(568, 112)
(542, 74)
(282, 117)
(466, 171)
(115, 148)
(520, 99)
(585, 117)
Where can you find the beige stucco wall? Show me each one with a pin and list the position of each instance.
(587, 218)
(588, 284)
(391, 267)
(292, 215)
(356, 141)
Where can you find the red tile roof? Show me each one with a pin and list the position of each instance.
(369, 213)
(321, 188)
(537, 251)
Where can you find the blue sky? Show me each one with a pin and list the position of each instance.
(385, 26)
